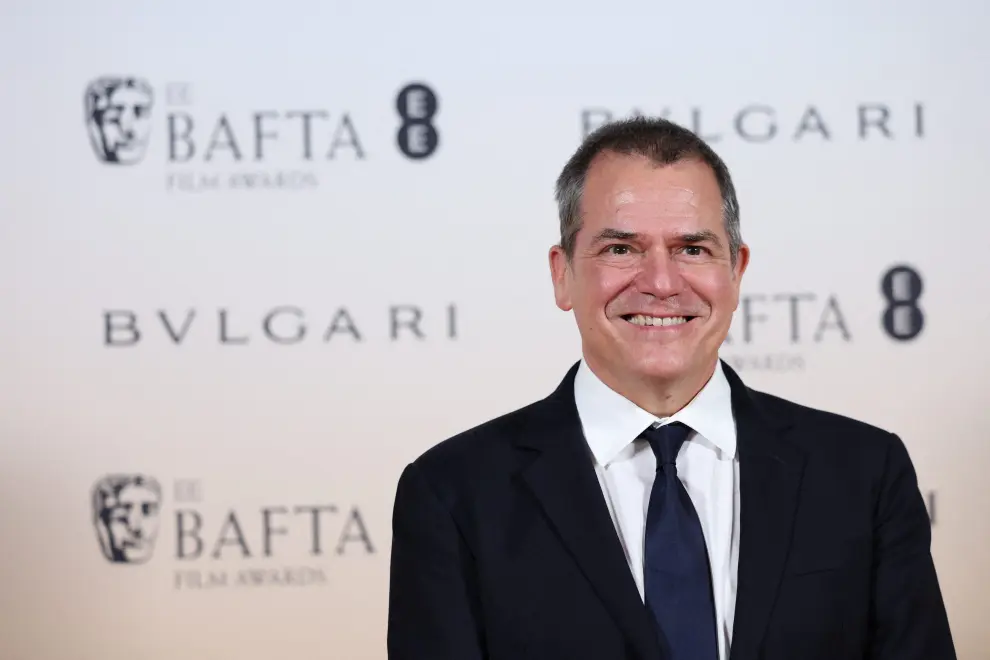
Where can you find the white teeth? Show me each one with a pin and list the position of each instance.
(640, 319)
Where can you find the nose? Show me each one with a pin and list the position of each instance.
(134, 520)
(660, 275)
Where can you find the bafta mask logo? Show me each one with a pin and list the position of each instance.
(125, 514)
(118, 118)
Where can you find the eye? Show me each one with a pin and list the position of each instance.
(618, 249)
(695, 250)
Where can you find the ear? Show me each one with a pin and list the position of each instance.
(560, 269)
(742, 261)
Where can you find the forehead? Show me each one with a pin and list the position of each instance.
(128, 96)
(135, 493)
(629, 188)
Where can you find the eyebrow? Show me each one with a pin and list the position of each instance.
(701, 237)
(610, 234)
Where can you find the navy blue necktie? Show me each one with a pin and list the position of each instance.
(675, 561)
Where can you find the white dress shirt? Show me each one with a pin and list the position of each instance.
(707, 465)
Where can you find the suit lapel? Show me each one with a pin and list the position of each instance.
(770, 477)
(563, 480)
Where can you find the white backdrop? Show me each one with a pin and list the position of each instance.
(409, 298)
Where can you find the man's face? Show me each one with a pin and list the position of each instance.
(125, 123)
(652, 246)
(133, 523)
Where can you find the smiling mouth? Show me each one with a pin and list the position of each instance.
(657, 321)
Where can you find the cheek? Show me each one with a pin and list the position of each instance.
(716, 287)
(592, 289)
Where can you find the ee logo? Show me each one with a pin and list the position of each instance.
(417, 136)
(902, 318)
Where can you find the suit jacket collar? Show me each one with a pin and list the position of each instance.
(770, 472)
(562, 479)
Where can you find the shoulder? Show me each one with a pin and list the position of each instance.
(476, 458)
(812, 428)
(491, 437)
(817, 430)
(486, 458)
(806, 416)
(851, 460)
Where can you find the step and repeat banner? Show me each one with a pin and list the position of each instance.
(256, 258)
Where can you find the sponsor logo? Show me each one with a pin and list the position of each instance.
(774, 331)
(417, 136)
(125, 515)
(779, 331)
(118, 118)
(284, 325)
(202, 146)
(902, 318)
(763, 123)
(277, 545)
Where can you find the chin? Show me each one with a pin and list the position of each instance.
(665, 366)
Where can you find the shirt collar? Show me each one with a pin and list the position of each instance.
(611, 422)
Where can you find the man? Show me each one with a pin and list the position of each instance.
(654, 506)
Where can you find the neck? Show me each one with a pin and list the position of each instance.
(661, 397)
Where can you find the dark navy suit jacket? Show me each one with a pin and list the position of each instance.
(503, 547)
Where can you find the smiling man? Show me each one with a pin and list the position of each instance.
(654, 506)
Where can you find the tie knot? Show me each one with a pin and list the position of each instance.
(666, 441)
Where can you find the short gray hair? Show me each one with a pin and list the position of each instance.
(660, 140)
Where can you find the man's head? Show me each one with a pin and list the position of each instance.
(118, 117)
(125, 513)
(649, 230)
